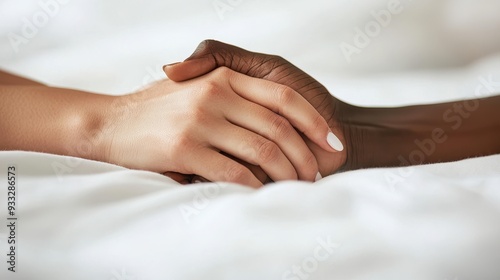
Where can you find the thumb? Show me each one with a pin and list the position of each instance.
(209, 55)
(200, 62)
(189, 69)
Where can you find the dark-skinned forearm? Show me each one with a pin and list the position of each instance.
(382, 137)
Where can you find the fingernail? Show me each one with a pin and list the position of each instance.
(197, 181)
(171, 64)
(318, 177)
(334, 142)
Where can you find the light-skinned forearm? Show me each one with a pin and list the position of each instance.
(51, 120)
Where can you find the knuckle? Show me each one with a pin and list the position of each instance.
(236, 173)
(209, 44)
(281, 128)
(223, 73)
(210, 89)
(284, 95)
(267, 152)
(310, 160)
(211, 86)
(182, 142)
(310, 165)
(223, 70)
(318, 124)
(277, 59)
(219, 51)
(198, 116)
(204, 47)
(205, 43)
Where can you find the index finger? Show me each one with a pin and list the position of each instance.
(288, 103)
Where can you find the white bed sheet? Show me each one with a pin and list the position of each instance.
(92, 220)
(98, 221)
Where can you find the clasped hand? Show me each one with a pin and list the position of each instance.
(222, 126)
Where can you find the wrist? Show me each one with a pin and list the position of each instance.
(91, 128)
(375, 137)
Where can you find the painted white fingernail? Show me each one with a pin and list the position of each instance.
(334, 142)
(318, 177)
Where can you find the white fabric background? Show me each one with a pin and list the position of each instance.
(99, 221)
